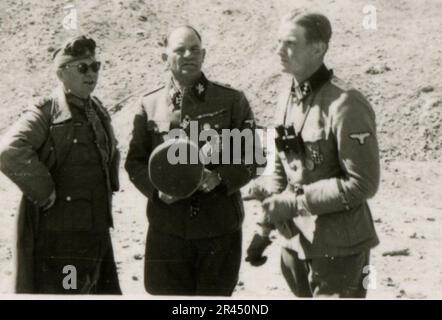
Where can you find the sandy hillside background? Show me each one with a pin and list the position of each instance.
(396, 66)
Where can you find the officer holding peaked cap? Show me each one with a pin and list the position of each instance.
(193, 244)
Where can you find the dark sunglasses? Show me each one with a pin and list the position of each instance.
(83, 67)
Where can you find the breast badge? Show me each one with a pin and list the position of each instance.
(316, 156)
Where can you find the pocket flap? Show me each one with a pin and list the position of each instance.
(211, 114)
(77, 195)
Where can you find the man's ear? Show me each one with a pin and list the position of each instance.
(164, 59)
(59, 74)
(320, 48)
(203, 53)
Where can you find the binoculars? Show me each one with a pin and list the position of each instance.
(287, 140)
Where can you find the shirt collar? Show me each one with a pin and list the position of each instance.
(77, 101)
(314, 82)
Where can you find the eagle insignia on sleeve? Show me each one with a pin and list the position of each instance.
(360, 137)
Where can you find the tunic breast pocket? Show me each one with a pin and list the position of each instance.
(216, 120)
(83, 147)
(315, 148)
(71, 212)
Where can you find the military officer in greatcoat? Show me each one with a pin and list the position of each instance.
(62, 155)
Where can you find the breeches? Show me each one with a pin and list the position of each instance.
(176, 266)
(326, 277)
(75, 263)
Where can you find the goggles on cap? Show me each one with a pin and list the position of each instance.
(83, 67)
(79, 47)
(76, 49)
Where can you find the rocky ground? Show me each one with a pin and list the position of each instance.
(397, 67)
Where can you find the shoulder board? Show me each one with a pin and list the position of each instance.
(41, 102)
(341, 84)
(223, 85)
(153, 91)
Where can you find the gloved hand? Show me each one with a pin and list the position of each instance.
(211, 179)
(50, 201)
(256, 249)
(280, 207)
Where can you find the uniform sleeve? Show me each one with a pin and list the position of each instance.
(234, 176)
(140, 148)
(267, 185)
(114, 170)
(19, 159)
(278, 181)
(354, 128)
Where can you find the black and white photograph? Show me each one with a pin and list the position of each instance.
(221, 149)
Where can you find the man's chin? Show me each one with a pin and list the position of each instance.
(190, 74)
(89, 89)
(284, 69)
(190, 71)
(282, 66)
(83, 93)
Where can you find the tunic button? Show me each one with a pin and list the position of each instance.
(75, 140)
(68, 198)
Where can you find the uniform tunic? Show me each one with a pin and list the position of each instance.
(194, 244)
(338, 172)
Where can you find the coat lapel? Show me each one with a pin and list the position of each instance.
(60, 107)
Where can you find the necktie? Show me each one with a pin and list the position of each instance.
(101, 139)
